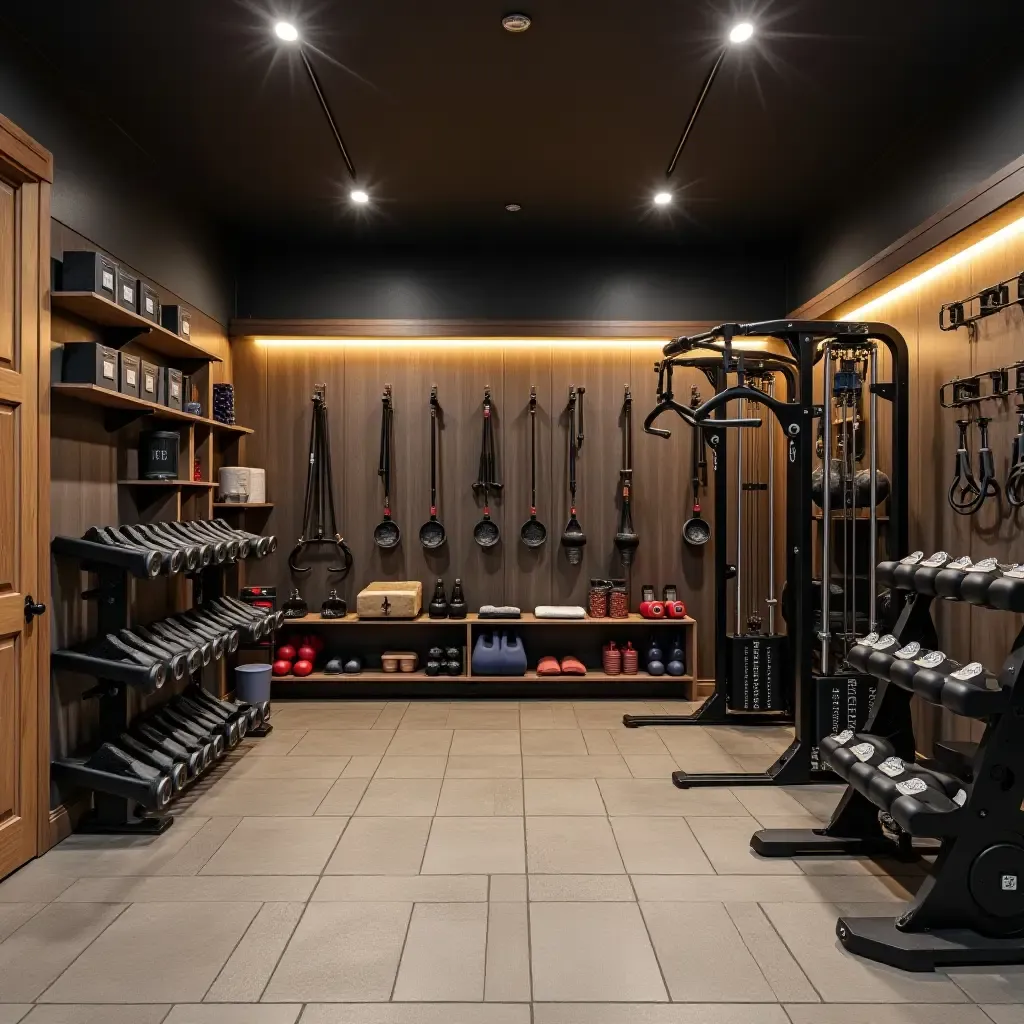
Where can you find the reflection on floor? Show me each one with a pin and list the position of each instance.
(468, 863)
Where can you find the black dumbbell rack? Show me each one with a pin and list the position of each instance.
(971, 908)
(114, 814)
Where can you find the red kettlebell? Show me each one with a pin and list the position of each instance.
(302, 668)
(286, 653)
(306, 653)
(282, 667)
(652, 609)
(675, 610)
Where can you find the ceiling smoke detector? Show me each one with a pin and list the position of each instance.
(513, 207)
(516, 22)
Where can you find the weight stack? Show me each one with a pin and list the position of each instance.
(841, 702)
(756, 672)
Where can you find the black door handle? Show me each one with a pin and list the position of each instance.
(33, 608)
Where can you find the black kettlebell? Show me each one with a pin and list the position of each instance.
(353, 665)
(453, 654)
(454, 668)
(656, 668)
(861, 486)
(654, 653)
(675, 668)
(333, 667)
(432, 667)
(435, 653)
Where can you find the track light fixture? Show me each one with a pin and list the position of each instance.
(662, 198)
(357, 195)
(739, 33)
(288, 33)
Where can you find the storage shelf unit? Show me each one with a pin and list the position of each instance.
(95, 395)
(240, 506)
(371, 635)
(98, 309)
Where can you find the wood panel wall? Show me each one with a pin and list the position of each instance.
(274, 386)
(86, 462)
(937, 356)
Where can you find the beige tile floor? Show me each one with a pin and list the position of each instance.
(467, 863)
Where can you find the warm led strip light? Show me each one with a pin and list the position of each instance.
(462, 343)
(1002, 235)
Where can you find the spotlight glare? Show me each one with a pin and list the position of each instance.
(663, 199)
(286, 31)
(357, 195)
(741, 33)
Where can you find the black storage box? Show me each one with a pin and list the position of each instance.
(149, 382)
(841, 702)
(169, 387)
(149, 302)
(127, 289)
(89, 362)
(177, 319)
(85, 270)
(158, 454)
(129, 377)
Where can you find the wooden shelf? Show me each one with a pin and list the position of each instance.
(839, 514)
(98, 309)
(528, 619)
(135, 408)
(165, 483)
(231, 506)
(377, 676)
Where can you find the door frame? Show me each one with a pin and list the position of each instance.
(25, 161)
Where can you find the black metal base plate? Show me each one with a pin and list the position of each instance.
(714, 711)
(810, 842)
(878, 938)
(264, 730)
(131, 827)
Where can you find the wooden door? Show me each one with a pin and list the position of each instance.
(23, 658)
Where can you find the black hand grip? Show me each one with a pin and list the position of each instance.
(140, 562)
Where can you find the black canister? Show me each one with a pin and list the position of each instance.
(158, 454)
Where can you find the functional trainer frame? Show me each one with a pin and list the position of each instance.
(739, 347)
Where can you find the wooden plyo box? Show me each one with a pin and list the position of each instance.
(396, 599)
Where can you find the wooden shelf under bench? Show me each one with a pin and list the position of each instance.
(473, 619)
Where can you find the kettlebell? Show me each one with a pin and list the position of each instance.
(655, 668)
(435, 653)
(861, 486)
(353, 665)
(333, 667)
(432, 667)
(454, 668)
(675, 650)
(654, 652)
(438, 607)
(457, 603)
(453, 653)
(675, 668)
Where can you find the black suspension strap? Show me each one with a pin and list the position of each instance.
(319, 522)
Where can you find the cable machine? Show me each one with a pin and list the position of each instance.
(800, 677)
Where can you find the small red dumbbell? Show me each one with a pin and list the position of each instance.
(675, 609)
(652, 609)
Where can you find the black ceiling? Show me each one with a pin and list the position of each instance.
(448, 118)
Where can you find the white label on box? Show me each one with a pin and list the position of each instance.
(893, 767)
(109, 369)
(150, 304)
(911, 787)
(175, 389)
(185, 328)
(150, 383)
(129, 376)
(107, 278)
(128, 292)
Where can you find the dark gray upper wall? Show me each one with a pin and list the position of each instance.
(107, 189)
(974, 143)
(503, 284)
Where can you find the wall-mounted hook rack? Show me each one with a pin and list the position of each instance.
(967, 312)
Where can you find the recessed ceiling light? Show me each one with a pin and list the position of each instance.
(287, 31)
(663, 199)
(516, 22)
(513, 207)
(741, 33)
(357, 195)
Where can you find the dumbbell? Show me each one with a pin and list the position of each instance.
(950, 578)
(924, 577)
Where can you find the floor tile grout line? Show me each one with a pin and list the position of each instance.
(401, 953)
(280, 957)
(241, 938)
(753, 955)
(790, 951)
(102, 931)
